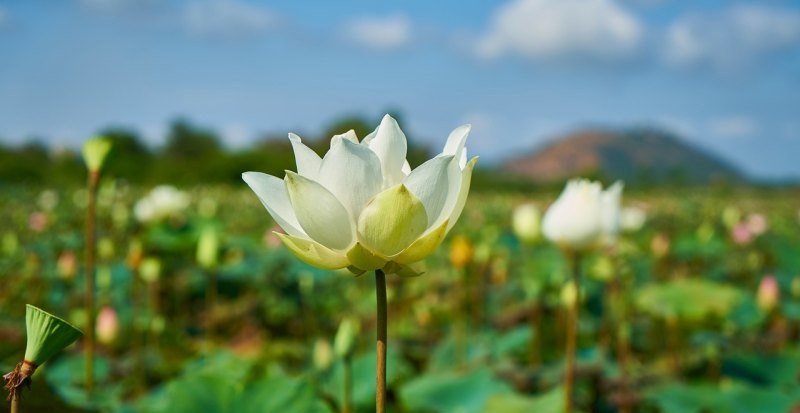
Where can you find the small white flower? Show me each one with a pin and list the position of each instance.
(361, 206)
(584, 215)
(162, 202)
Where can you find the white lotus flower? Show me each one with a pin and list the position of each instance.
(162, 202)
(632, 219)
(583, 215)
(361, 206)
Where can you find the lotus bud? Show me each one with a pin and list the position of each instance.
(104, 277)
(208, 248)
(323, 355)
(95, 151)
(67, 265)
(740, 234)
(569, 294)
(602, 268)
(584, 215)
(731, 216)
(757, 224)
(150, 269)
(461, 252)
(344, 343)
(105, 248)
(47, 335)
(526, 223)
(660, 245)
(107, 325)
(37, 221)
(796, 286)
(10, 243)
(48, 200)
(632, 219)
(768, 293)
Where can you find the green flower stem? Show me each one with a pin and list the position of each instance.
(93, 180)
(211, 305)
(380, 364)
(535, 324)
(15, 403)
(572, 332)
(347, 390)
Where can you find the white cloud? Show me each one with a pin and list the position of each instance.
(379, 33)
(733, 127)
(731, 38)
(557, 29)
(227, 18)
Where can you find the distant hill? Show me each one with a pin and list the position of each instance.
(643, 156)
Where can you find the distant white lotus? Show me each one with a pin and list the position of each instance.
(584, 215)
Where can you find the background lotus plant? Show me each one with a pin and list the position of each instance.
(47, 335)
(362, 207)
(583, 217)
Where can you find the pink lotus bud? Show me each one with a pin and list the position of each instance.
(107, 325)
(37, 221)
(757, 224)
(768, 293)
(67, 265)
(741, 234)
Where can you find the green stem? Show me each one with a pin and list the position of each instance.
(94, 178)
(348, 384)
(572, 332)
(15, 404)
(380, 362)
(211, 305)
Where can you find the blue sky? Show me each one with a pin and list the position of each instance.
(723, 74)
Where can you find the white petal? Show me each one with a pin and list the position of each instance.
(352, 173)
(349, 135)
(431, 183)
(319, 213)
(575, 218)
(455, 144)
(390, 145)
(406, 168)
(272, 193)
(463, 191)
(307, 160)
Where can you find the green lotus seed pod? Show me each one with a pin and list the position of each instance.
(95, 151)
(208, 248)
(47, 335)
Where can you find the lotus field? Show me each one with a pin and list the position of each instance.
(595, 300)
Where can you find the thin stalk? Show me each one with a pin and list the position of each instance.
(91, 216)
(380, 362)
(572, 330)
(154, 302)
(15, 403)
(211, 305)
(348, 384)
(536, 332)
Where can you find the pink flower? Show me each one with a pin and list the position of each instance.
(107, 325)
(757, 224)
(67, 265)
(768, 293)
(37, 221)
(741, 234)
